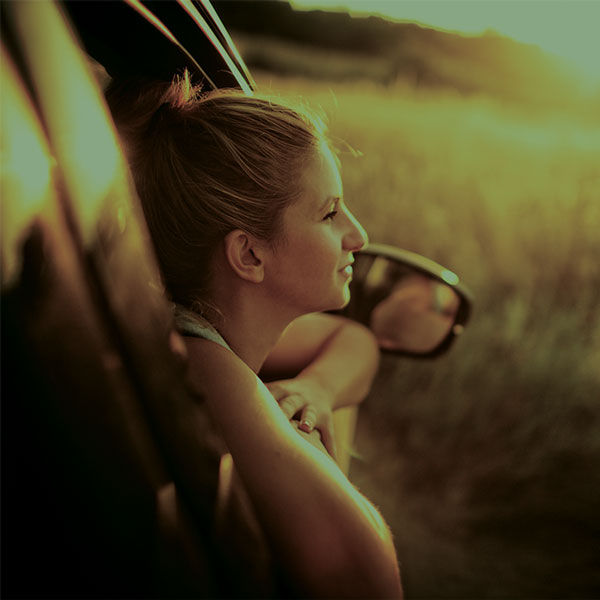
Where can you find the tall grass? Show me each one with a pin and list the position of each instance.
(486, 462)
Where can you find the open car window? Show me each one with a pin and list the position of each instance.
(154, 40)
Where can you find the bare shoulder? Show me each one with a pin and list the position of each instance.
(236, 398)
(227, 383)
(212, 367)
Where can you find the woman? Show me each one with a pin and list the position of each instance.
(244, 203)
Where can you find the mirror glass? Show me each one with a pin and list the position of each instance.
(407, 309)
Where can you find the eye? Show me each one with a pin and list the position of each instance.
(333, 210)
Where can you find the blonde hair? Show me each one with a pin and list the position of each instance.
(205, 164)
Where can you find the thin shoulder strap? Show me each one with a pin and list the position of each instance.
(191, 324)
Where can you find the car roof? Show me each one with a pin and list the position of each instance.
(156, 40)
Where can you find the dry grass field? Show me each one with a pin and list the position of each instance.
(485, 462)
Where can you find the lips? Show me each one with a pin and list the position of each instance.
(347, 270)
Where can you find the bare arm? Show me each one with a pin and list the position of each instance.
(328, 536)
(327, 362)
(340, 354)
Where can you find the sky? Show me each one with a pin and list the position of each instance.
(569, 28)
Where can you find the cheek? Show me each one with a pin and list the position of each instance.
(322, 254)
(312, 254)
(332, 248)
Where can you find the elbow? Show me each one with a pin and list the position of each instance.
(366, 340)
(363, 338)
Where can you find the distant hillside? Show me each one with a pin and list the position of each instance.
(334, 45)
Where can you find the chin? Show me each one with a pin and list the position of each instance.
(343, 300)
(346, 300)
(336, 299)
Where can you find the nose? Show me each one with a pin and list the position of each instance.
(355, 237)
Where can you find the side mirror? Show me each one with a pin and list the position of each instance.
(413, 305)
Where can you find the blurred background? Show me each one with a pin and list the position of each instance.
(469, 132)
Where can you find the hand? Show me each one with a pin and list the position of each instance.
(311, 404)
(314, 437)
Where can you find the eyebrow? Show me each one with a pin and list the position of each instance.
(328, 201)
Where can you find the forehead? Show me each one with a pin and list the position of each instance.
(321, 182)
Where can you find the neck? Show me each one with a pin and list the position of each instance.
(251, 324)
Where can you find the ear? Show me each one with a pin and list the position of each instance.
(245, 255)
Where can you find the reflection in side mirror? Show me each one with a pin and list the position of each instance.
(413, 305)
(416, 316)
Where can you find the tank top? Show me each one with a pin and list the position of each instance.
(189, 323)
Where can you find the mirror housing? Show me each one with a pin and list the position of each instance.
(413, 305)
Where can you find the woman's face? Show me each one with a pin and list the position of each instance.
(310, 269)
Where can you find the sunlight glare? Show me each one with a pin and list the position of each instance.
(83, 140)
(25, 173)
(567, 29)
(450, 277)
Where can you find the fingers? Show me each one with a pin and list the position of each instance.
(308, 418)
(290, 405)
(324, 433)
(295, 406)
(328, 440)
(276, 391)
